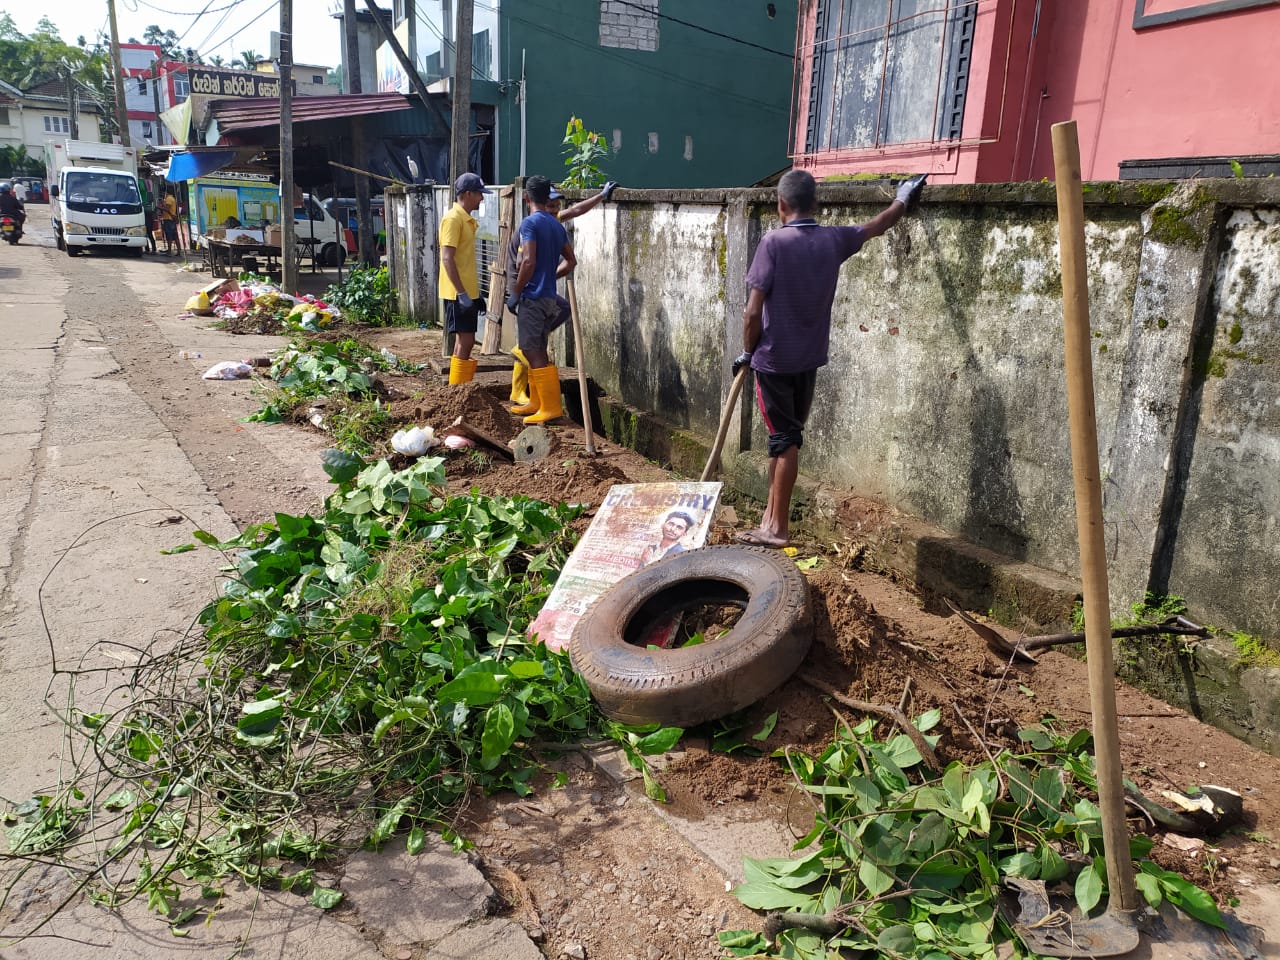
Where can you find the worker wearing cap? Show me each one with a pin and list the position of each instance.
(546, 255)
(459, 284)
(520, 369)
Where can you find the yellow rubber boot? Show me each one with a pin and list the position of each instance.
(457, 366)
(524, 409)
(469, 369)
(546, 380)
(519, 378)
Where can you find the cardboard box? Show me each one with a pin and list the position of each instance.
(274, 235)
(216, 233)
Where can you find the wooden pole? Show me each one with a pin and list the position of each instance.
(366, 250)
(587, 427)
(288, 232)
(460, 134)
(1088, 490)
(122, 112)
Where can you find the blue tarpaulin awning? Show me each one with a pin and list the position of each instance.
(189, 166)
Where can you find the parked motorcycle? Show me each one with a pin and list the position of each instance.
(11, 229)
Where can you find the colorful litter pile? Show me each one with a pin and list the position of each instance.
(261, 308)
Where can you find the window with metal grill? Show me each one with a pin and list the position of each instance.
(885, 72)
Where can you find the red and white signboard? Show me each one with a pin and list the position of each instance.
(637, 524)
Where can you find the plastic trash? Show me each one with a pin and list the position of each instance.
(228, 370)
(388, 356)
(457, 442)
(413, 442)
(199, 304)
(189, 355)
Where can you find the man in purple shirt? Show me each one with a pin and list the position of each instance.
(787, 326)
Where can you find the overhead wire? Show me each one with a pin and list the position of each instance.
(652, 11)
(272, 5)
(192, 25)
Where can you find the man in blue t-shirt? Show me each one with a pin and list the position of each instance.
(546, 256)
(787, 326)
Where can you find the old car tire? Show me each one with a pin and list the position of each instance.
(693, 684)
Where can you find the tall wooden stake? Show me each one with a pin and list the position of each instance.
(288, 238)
(122, 112)
(1088, 489)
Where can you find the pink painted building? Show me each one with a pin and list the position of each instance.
(968, 89)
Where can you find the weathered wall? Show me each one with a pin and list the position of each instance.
(412, 249)
(945, 395)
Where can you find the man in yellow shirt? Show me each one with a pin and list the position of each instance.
(459, 284)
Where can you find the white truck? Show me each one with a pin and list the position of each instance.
(94, 200)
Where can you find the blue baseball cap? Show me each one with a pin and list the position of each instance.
(469, 182)
(555, 194)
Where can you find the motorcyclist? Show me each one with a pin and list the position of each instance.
(10, 205)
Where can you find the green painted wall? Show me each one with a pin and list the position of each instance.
(732, 99)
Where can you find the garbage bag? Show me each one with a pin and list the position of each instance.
(413, 442)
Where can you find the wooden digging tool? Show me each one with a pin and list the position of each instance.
(726, 415)
(1114, 933)
(588, 430)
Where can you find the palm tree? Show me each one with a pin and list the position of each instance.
(216, 61)
(245, 59)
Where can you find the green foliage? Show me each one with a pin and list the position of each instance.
(357, 426)
(362, 671)
(1237, 170)
(1153, 609)
(366, 295)
(1253, 651)
(27, 61)
(311, 369)
(583, 151)
(913, 862)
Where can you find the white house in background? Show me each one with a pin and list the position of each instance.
(29, 118)
(309, 79)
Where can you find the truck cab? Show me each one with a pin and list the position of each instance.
(94, 198)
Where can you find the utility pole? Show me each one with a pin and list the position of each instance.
(122, 112)
(351, 80)
(288, 240)
(155, 96)
(460, 143)
(71, 104)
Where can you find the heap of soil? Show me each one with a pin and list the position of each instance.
(255, 322)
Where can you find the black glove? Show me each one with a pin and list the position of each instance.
(607, 190)
(909, 191)
(464, 300)
(513, 302)
(743, 360)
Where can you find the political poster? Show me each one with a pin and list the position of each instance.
(637, 524)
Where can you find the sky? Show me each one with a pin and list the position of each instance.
(227, 28)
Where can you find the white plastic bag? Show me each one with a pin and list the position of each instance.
(228, 370)
(456, 442)
(413, 442)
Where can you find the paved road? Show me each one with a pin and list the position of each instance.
(90, 470)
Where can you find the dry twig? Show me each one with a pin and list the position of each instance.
(879, 710)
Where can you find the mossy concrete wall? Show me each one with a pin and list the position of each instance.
(945, 396)
(413, 253)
